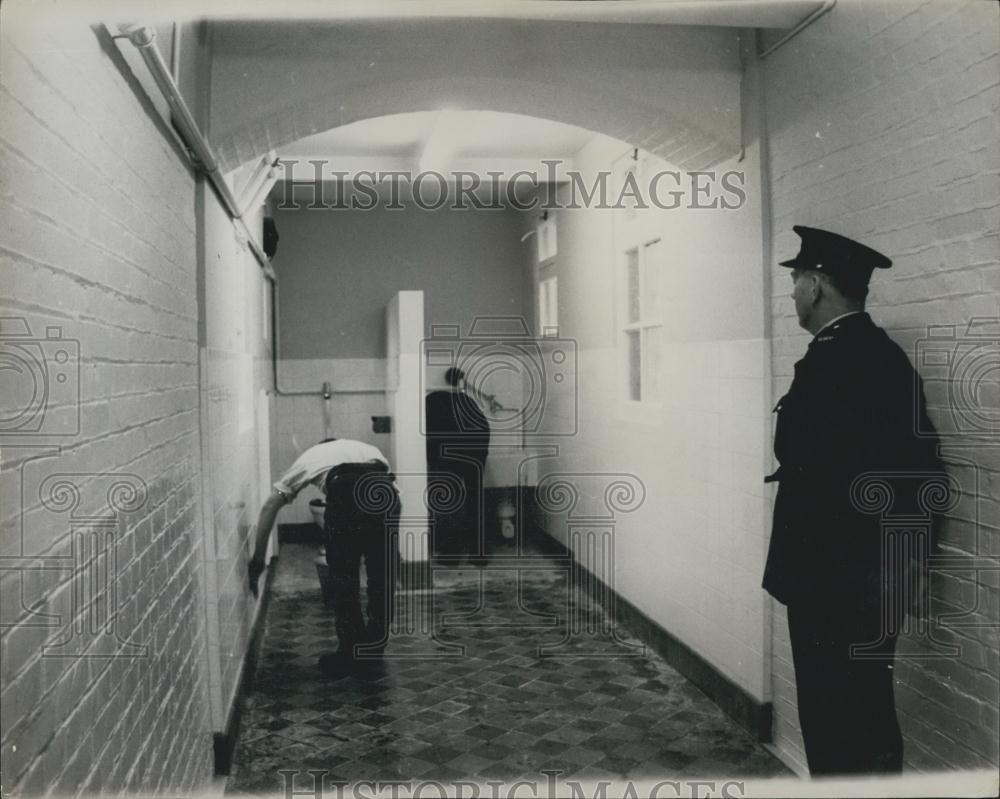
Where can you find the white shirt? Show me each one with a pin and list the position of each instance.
(313, 464)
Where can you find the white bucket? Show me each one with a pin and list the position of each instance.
(317, 508)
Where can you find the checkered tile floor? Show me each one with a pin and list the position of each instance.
(497, 673)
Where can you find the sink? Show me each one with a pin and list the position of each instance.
(504, 469)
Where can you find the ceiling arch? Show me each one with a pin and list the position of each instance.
(670, 90)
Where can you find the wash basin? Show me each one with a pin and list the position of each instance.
(511, 468)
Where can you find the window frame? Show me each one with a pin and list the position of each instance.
(647, 320)
(548, 327)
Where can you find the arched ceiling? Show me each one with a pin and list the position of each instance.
(673, 90)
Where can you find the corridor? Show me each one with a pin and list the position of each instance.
(243, 245)
(477, 703)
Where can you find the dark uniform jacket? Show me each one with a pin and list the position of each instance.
(456, 428)
(854, 407)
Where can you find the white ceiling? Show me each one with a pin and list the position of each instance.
(443, 141)
(459, 134)
(726, 13)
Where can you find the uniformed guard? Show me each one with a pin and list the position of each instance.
(854, 408)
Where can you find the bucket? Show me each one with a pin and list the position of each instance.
(317, 508)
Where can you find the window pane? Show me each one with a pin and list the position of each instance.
(543, 306)
(548, 320)
(552, 312)
(651, 282)
(634, 366)
(632, 289)
(546, 234)
(652, 349)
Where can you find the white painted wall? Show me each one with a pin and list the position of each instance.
(301, 419)
(691, 555)
(405, 381)
(234, 367)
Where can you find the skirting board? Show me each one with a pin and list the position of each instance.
(224, 743)
(749, 712)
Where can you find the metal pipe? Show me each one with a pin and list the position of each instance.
(326, 390)
(278, 390)
(327, 413)
(175, 52)
(489, 399)
(257, 199)
(809, 20)
(496, 406)
(143, 38)
(250, 189)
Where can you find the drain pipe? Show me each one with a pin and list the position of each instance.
(259, 176)
(809, 20)
(327, 418)
(326, 391)
(496, 406)
(143, 38)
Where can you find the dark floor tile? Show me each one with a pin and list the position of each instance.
(439, 755)
(638, 721)
(671, 759)
(485, 732)
(549, 747)
(537, 727)
(617, 765)
(492, 708)
(445, 774)
(469, 763)
(568, 735)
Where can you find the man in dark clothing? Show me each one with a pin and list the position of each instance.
(362, 508)
(458, 442)
(852, 414)
(362, 511)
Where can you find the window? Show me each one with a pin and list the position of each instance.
(548, 308)
(642, 328)
(546, 235)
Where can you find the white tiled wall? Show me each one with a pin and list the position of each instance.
(235, 372)
(691, 554)
(301, 419)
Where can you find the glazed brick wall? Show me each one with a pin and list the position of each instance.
(883, 125)
(98, 238)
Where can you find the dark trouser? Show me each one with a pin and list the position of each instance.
(353, 534)
(457, 529)
(847, 710)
